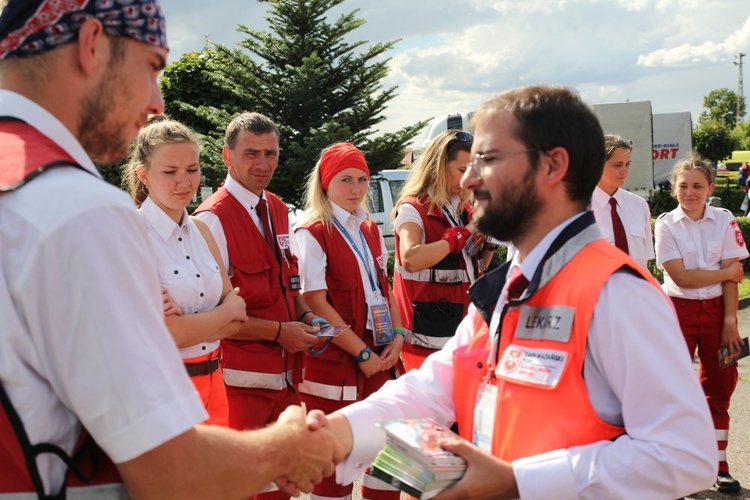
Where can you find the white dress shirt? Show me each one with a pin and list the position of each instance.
(83, 336)
(701, 244)
(313, 260)
(247, 199)
(637, 375)
(187, 268)
(636, 218)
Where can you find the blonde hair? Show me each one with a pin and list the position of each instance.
(429, 173)
(159, 130)
(318, 206)
(693, 161)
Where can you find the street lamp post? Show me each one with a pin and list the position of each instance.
(724, 117)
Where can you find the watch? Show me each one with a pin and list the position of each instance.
(364, 355)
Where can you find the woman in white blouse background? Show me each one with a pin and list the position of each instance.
(163, 174)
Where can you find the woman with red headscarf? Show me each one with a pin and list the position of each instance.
(343, 262)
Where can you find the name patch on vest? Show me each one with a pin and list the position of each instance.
(542, 367)
(548, 323)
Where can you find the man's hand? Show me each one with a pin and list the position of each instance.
(316, 452)
(168, 305)
(372, 366)
(296, 336)
(486, 476)
(234, 305)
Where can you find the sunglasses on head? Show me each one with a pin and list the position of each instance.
(464, 136)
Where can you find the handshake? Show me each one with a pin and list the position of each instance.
(312, 445)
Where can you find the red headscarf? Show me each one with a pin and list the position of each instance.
(338, 158)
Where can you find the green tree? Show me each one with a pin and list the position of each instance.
(713, 141)
(305, 75)
(741, 136)
(721, 106)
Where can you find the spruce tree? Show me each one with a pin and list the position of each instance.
(303, 74)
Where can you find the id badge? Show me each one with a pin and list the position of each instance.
(484, 416)
(382, 329)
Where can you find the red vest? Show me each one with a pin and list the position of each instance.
(439, 292)
(334, 374)
(24, 154)
(533, 418)
(264, 283)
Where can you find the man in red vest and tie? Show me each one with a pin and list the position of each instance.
(262, 364)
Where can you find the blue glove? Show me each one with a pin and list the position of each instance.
(317, 320)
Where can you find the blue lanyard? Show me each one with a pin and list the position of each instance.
(345, 233)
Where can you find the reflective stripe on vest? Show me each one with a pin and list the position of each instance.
(256, 380)
(448, 276)
(326, 391)
(101, 492)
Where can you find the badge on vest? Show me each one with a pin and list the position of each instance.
(283, 241)
(295, 284)
(545, 323)
(529, 366)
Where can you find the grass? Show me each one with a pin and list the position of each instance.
(744, 288)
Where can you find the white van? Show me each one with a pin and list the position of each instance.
(385, 187)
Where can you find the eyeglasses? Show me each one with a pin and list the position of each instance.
(482, 160)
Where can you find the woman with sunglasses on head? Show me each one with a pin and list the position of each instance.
(343, 262)
(201, 307)
(699, 247)
(623, 217)
(438, 254)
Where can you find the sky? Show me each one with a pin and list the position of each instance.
(453, 55)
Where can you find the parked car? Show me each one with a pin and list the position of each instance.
(385, 187)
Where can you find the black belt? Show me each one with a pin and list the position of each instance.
(195, 369)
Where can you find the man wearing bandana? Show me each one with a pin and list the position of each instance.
(94, 399)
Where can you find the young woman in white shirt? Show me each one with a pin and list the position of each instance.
(699, 247)
(343, 264)
(201, 307)
(634, 233)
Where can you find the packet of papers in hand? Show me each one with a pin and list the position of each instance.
(474, 243)
(726, 359)
(412, 459)
(333, 331)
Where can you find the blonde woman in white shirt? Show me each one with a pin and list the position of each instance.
(610, 203)
(699, 247)
(163, 174)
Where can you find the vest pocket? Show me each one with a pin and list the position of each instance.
(436, 319)
(254, 282)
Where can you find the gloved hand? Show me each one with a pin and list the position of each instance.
(456, 236)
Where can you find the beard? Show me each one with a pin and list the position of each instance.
(510, 213)
(100, 132)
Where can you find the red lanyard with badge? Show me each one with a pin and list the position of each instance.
(377, 305)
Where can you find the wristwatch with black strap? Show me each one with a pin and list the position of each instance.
(364, 355)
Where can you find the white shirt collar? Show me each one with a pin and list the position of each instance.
(601, 197)
(344, 217)
(532, 261)
(708, 213)
(245, 196)
(162, 223)
(18, 106)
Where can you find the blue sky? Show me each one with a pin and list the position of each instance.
(454, 55)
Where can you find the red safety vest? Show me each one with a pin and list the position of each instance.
(334, 374)
(531, 419)
(24, 154)
(439, 292)
(265, 284)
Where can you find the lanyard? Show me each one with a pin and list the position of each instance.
(447, 213)
(362, 259)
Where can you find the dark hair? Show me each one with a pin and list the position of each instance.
(613, 142)
(254, 123)
(549, 116)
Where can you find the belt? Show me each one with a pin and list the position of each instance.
(204, 368)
